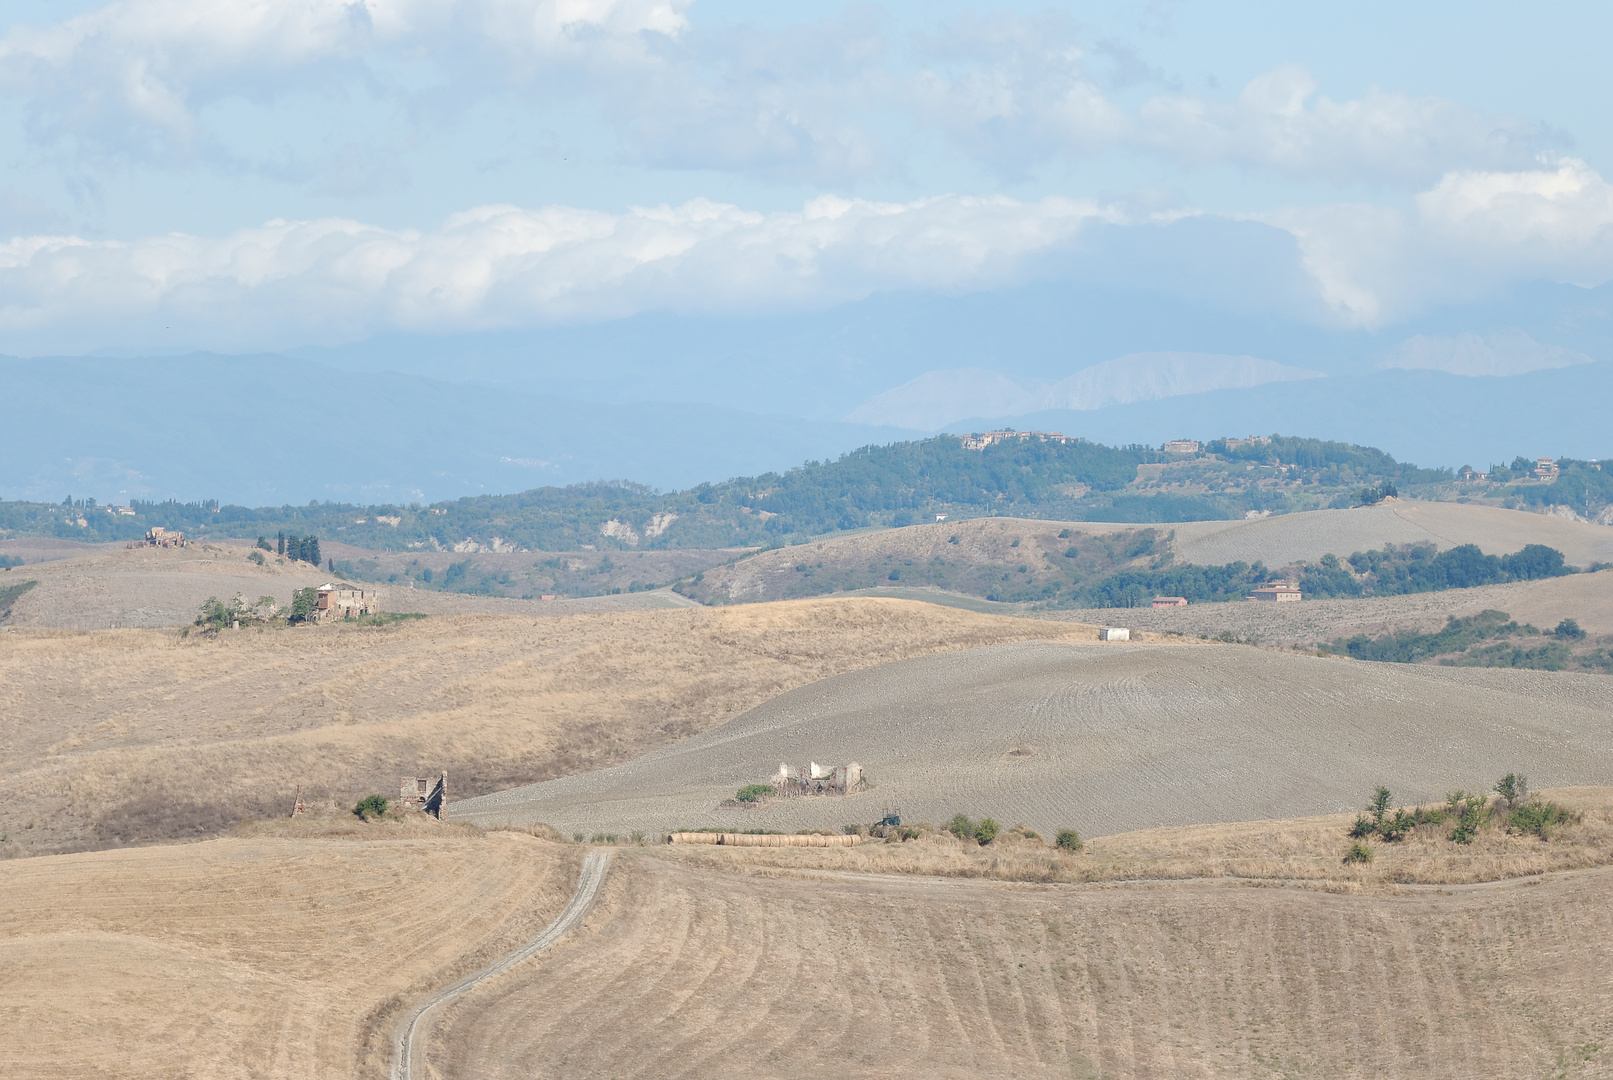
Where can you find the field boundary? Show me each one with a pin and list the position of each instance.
(592, 877)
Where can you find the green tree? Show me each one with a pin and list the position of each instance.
(370, 807)
(1379, 804)
(1513, 787)
(986, 831)
(304, 603)
(1069, 840)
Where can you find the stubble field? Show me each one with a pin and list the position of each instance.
(129, 736)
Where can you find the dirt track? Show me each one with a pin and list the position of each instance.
(1105, 739)
(690, 973)
(408, 1062)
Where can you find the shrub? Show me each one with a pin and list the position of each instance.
(1358, 853)
(754, 792)
(370, 807)
(1537, 818)
(255, 556)
(986, 831)
(1397, 827)
(1364, 826)
(1069, 840)
(1513, 787)
(578, 837)
(853, 830)
(1379, 803)
(907, 832)
(1568, 628)
(961, 827)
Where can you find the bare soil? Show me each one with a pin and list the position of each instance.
(1102, 738)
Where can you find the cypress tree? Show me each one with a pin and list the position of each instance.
(280, 542)
(311, 550)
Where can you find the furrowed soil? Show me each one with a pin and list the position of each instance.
(279, 955)
(687, 971)
(130, 736)
(1103, 738)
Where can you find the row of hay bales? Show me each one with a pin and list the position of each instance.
(729, 839)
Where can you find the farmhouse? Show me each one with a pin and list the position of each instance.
(157, 536)
(1545, 468)
(1280, 592)
(1170, 601)
(345, 602)
(1182, 446)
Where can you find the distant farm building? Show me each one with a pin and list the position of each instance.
(815, 779)
(979, 441)
(345, 602)
(424, 794)
(1114, 633)
(1253, 440)
(1280, 592)
(1545, 468)
(157, 536)
(1170, 601)
(1182, 446)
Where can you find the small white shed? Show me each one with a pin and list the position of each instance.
(1114, 633)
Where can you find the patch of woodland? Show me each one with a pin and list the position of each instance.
(1491, 639)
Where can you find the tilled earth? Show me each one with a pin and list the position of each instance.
(684, 972)
(1102, 738)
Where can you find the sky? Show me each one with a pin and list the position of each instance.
(254, 175)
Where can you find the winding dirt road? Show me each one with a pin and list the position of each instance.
(411, 1032)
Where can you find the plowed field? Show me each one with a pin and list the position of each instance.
(1103, 738)
(692, 973)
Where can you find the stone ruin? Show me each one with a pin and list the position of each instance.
(424, 794)
(793, 780)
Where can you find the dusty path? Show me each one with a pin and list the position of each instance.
(588, 883)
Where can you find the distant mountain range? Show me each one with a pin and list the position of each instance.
(674, 400)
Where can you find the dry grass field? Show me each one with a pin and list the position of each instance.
(293, 948)
(1585, 598)
(691, 971)
(1103, 738)
(127, 736)
(100, 586)
(982, 556)
(1278, 541)
(285, 954)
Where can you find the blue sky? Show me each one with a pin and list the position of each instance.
(246, 175)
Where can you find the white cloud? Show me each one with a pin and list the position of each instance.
(829, 101)
(288, 283)
(1019, 92)
(1469, 234)
(130, 76)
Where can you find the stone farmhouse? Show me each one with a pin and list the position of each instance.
(1279, 592)
(344, 601)
(157, 536)
(815, 779)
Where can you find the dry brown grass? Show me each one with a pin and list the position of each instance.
(1309, 850)
(118, 737)
(285, 953)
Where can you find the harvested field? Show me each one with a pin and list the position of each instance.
(691, 972)
(1104, 739)
(1278, 541)
(1586, 598)
(264, 956)
(129, 736)
(113, 585)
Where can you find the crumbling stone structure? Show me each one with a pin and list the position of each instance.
(424, 794)
(815, 779)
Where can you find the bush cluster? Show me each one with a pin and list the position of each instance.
(1514, 808)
